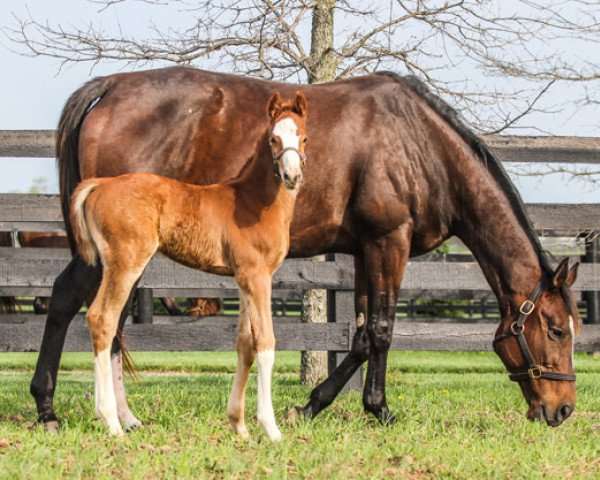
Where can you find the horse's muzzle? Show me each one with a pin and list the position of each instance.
(553, 418)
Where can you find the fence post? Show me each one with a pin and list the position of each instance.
(592, 299)
(145, 305)
(340, 306)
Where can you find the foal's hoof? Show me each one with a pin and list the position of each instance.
(52, 426)
(132, 425)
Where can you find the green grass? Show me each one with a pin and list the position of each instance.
(459, 417)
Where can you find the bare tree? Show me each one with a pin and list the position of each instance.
(494, 60)
(454, 45)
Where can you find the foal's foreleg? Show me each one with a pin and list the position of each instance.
(245, 358)
(256, 290)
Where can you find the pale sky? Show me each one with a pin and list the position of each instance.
(33, 91)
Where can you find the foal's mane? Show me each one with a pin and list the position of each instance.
(483, 152)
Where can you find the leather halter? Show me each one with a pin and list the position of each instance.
(280, 154)
(517, 328)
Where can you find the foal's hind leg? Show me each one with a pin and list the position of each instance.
(76, 284)
(126, 417)
(103, 319)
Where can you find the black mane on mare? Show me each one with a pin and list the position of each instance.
(455, 120)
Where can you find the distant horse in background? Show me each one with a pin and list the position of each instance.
(239, 228)
(7, 304)
(394, 172)
(197, 307)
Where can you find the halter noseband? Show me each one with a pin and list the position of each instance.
(280, 154)
(517, 328)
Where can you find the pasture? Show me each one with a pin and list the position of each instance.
(459, 417)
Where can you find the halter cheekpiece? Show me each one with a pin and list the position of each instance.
(517, 328)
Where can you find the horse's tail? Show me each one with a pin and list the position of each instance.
(67, 142)
(80, 229)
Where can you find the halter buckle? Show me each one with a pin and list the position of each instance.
(535, 372)
(517, 329)
(526, 307)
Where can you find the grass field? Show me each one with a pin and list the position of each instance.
(459, 417)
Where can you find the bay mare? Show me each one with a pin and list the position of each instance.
(393, 172)
(239, 228)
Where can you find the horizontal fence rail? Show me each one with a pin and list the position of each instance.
(31, 271)
(41, 212)
(40, 143)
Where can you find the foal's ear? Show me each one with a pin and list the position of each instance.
(564, 276)
(274, 105)
(300, 104)
(572, 276)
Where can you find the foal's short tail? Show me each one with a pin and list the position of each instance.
(86, 247)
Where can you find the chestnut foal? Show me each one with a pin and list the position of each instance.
(239, 228)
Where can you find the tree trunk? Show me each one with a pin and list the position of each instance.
(322, 68)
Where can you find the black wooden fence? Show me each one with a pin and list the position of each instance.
(30, 271)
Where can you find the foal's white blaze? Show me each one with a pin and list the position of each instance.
(265, 413)
(287, 131)
(572, 328)
(126, 418)
(106, 403)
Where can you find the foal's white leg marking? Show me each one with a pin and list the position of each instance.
(265, 413)
(126, 418)
(107, 403)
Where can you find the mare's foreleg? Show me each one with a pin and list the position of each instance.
(76, 284)
(385, 259)
(325, 393)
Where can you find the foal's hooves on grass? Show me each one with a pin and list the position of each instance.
(129, 426)
(52, 426)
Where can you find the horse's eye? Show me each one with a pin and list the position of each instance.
(272, 141)
(556, 333)
(304, 140)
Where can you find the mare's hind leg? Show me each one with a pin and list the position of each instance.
(325, 393)
(76, 284)
(103, 319)
(385, 259)
(126, 417)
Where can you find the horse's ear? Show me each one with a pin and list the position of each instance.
(572, 275)
(274, 105)
(561, 273)
(300, 104)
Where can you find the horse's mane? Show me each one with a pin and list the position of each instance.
(483, 152)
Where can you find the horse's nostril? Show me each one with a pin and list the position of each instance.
(564, 411)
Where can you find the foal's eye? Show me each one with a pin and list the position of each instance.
(555, 333)
(304, 140)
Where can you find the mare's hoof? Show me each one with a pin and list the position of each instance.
(296, 413)
(52, 426)
(385, 417)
